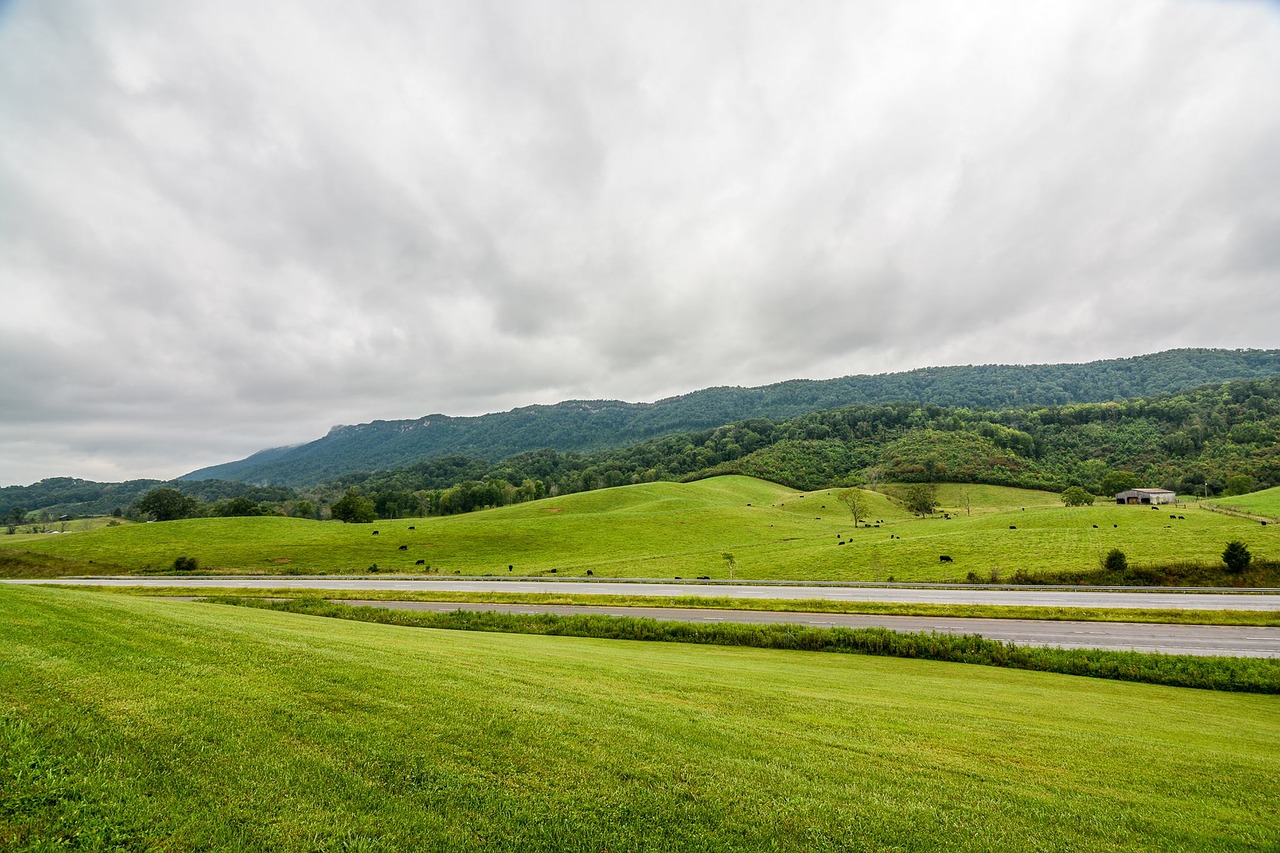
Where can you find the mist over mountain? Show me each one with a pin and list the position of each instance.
(580, 425)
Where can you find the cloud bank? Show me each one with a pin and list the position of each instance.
(225, 226)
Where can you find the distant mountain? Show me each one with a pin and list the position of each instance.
(581, 426)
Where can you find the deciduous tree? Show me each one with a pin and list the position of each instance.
(165, 504)
(1076, 496)
(922, 499)
(353, 508)
(856, 501)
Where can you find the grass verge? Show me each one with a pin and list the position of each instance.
(1155, 616)
(1244, 675)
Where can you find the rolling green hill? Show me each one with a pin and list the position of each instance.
(664, 530)
(128, 723)
(1263, 503)
(583, 426)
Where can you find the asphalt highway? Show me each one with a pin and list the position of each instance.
(1124, 636)
(1034, 596)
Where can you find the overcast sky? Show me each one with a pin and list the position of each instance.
(230, 225)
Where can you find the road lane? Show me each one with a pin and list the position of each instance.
(1025, 596)
(1230, 641)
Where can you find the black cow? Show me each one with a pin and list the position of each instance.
(944, 559)
(404, 547)
(420, 563)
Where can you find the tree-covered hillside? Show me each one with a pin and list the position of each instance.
(1206, 441)
(588, 426)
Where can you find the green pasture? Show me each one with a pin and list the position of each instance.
(665, 530)
(128, 723)
(1266, 503)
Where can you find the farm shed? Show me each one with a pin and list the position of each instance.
(1146, 496)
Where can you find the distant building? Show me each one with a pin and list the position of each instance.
(1146, 496)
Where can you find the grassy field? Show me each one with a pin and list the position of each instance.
(1264, 503)
(665, 530)
(131, 724)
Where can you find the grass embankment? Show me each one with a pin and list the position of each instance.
(1265, 504)
(1245, 675)
(1260, 618)
(665, 530)
(147, 724)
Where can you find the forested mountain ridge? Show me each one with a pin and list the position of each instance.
(1205, 441)
(586, 426)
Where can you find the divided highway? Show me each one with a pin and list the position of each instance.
(1169, 639)
(901, 593)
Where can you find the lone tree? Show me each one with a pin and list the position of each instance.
(730, 562)
(1076, 496)
(1237, 557)
(165, 504)
(353, 508)
(856, 501)
(1115, 561)
(922, 499)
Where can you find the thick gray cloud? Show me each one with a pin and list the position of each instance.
(230, 225)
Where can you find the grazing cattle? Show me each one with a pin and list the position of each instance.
(553, 571)
(1171, 515)
(590, 573)
(1013, 527)
(839, 543)
(420, 562)
(404, 547)
(509, 568)
(375, 533)
(1095, 527)
(1182, 518)
(411, 527)
(944, 559)
(704, 577)
(1115, 525)
(1264, 524)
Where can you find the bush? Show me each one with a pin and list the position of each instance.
(1116, 561)
(1236, 556)
(1076, 496)
(186, 564)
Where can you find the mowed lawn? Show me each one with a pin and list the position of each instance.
(140, 724)
(665, 530)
